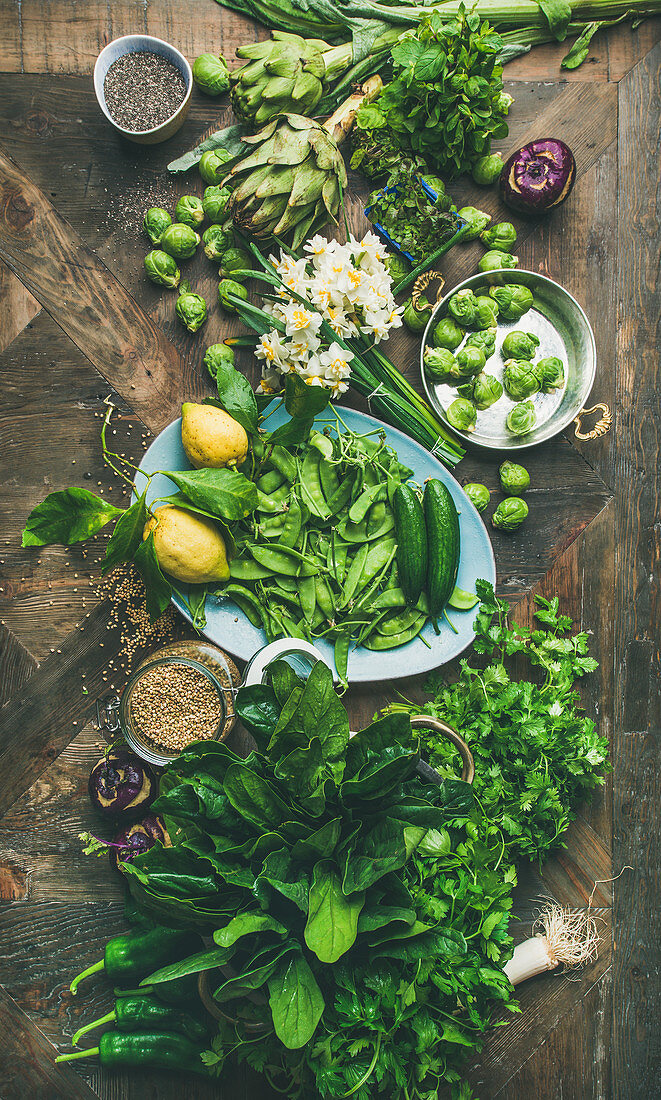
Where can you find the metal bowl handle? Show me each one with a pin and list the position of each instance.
(425, 721)
(421, 284)
(602, 426)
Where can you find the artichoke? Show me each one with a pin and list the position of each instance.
(284, 73)
(291, 183)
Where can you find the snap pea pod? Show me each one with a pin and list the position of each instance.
(270, 481)
(378, 556)
(395, 598)
(268, 504)
(283, 461)
(396, 622)
(358, 532)
(293, 522)
(310, 485)
(354, 575)
(275, 560)
(247, 601)
(367, 498)
(342, 496)
(380, 641)
(342, 656)
(376, 517)
(307, 597)
(273, 528)
(322, 443)
(290, 584)
(323, 597)
(245, 569)
(330, 482)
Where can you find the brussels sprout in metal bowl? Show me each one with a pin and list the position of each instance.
(561, 367)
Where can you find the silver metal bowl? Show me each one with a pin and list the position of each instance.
(563, 330)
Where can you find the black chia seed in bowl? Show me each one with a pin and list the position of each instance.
(143, 90)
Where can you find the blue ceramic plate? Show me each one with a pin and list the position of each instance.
(229, 628)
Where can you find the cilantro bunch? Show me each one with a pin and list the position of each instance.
(537, 754)
(445, 101)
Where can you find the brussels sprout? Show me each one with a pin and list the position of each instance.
(486, 314)
(503, 103)
(440, 364)
(493, 260)
(510, 514)
(514, 479)
(520, 378)
(216, 241)
(462, 414)
(211, 74)
(214, 203)
(212, 165)
(448, 334)
(519, 345)
(478, 495)
(483, 390)
(416, 319)
(162, 269)
(191, 309)
(235, 260)
(180, 241)
(485, 339)
(501, 236)
(230, 286)
(156, 222)
(216, 356)
(477, 221)
(189, 211)
(470, 360)
(513, 300)
(487, 169)
(463, 307)
(551, 373)
(522, 418)
(398, 268)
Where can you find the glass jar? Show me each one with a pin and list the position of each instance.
(208, 661)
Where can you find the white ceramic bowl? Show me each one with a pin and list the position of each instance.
(145, 43)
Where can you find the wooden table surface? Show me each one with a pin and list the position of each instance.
(79, 322)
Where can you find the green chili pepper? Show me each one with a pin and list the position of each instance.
(143, 1049)
(132, 957)
(135, 1013)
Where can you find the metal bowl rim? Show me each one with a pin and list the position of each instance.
(510, 276)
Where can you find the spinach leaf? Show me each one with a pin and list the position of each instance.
(296, 1002)
(253, 797)
(381, 772)
(225, 493)
(253, 977)
(71, 515)
(332, 923)
(373, 854)
(378, 737)
(194, 964)
(301, 768)
(246, 924)
(127, 534)
(322, 843)
(279, 873)
(580, 48)
(158, 591)
(257, 707)
(558, 16)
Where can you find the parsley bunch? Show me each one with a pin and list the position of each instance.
(445, 100)
(537, 755)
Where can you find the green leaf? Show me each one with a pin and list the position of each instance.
(127, 535)
(292, 432)
(157, 589)
(302, 401)
(374, 854)
(580, 48)
(296, 1002)
(258, 709)
(194, 964)
(253, 797)
(236, 396)
(228, 139)
(246, 924)
(225, 493)
(332, 923)
(71, 515)
(558, 16)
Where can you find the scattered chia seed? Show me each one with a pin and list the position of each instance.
(143, 90)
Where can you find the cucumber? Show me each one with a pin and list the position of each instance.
(443, 544)
(411, 542)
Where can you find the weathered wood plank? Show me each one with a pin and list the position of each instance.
(82, 296)
(18, 306)
(16, 665)
(27, 1066)
(637, 748)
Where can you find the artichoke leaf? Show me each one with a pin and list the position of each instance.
(262, 135)
(251, 184)
(290, 218)
(307, 187)
(276, 183)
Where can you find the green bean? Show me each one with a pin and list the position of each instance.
(379, 641)
(307, 597)
(243, 569)
(292, 525)
(270, 481)
(330, 482)
(247, 601)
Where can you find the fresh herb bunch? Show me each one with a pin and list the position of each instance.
(366, 903)
(444, 102)
(415, 221)
(537, 755)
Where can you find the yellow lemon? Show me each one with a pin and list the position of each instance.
(211, 437)
(188, 547)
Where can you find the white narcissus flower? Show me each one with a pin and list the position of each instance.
(299, 319)
(271, 348)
